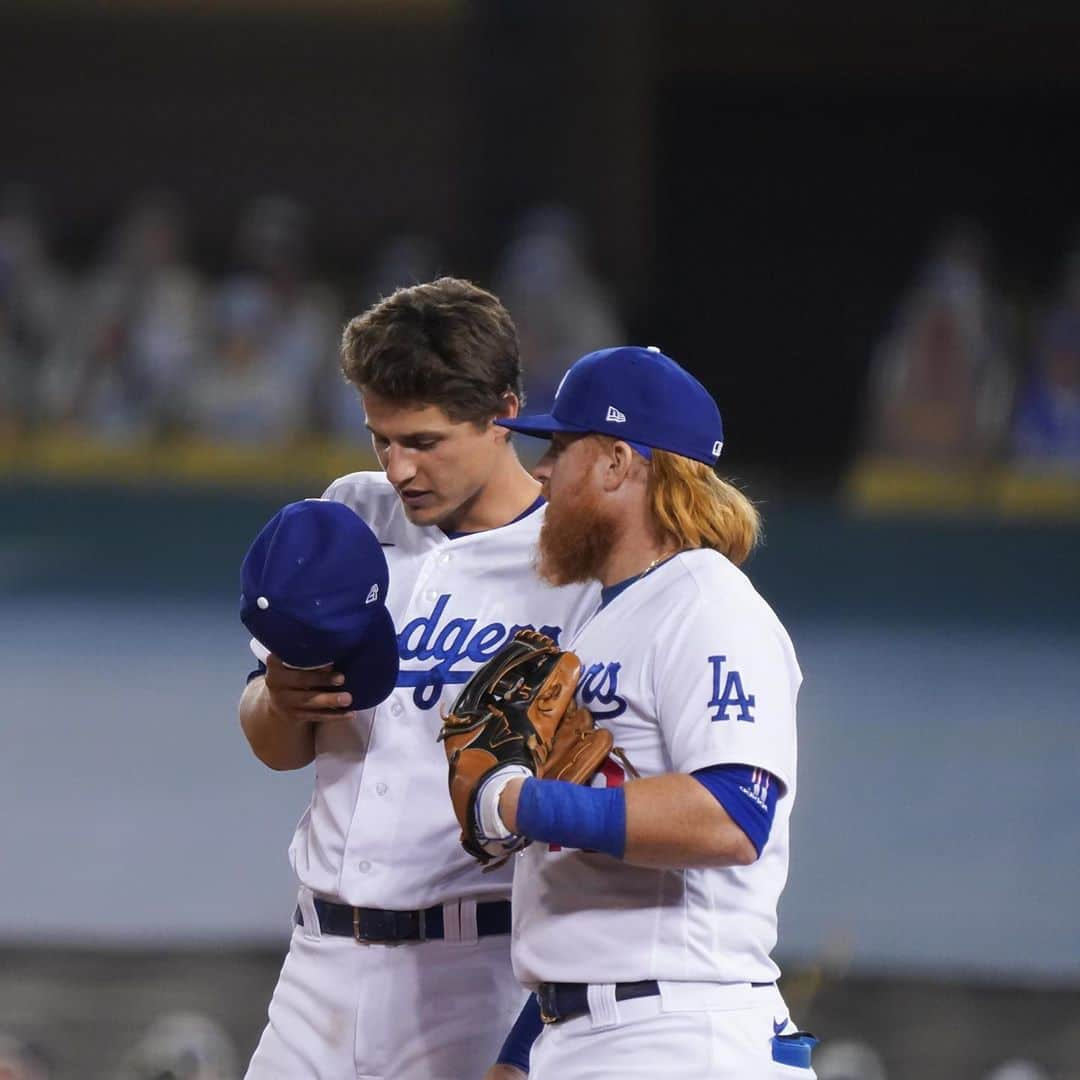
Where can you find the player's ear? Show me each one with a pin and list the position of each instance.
(509, 408)
(620, 464)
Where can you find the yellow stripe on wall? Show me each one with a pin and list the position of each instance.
(69, 457)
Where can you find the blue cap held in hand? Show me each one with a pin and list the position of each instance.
(313, 592)
(635, 394)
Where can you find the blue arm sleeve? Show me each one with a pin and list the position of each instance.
(515, 1051)
(748, 795)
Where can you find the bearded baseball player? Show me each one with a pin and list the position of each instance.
(644, 901)
(399, 962)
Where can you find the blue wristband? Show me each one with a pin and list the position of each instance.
(528, 1025)
(558, 812)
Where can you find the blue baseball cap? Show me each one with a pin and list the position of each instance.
(635, 394)
(313, 592)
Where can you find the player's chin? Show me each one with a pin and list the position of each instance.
(561, 571)
(425, 509)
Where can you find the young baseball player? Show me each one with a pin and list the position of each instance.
(399, 965)
(645, 908)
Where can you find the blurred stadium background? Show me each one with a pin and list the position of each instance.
(859, 225)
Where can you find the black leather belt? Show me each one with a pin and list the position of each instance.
(560, 1001)
(376, 926)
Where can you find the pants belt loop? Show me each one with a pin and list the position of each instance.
(470, 932)
(603, 1008)
(306, 902)
(451, 915)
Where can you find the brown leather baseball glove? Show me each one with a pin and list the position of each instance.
(518, 710)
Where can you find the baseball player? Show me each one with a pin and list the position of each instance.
(645, 905)
(399, 965)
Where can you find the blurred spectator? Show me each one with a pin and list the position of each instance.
(21, 1060)
(1017, 1070)
(405, 259)
(941, 381)
(182, 1046)
(273, 330)
(32, 298)
(561, 308)
(848, 1060)
(136, 334)
(1046, 427)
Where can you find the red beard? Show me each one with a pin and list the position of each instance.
(576, 540)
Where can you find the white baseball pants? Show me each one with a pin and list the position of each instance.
(347, 1011)
(692, 1031)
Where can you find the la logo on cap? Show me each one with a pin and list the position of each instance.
(614, 416)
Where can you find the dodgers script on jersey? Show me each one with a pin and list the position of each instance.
(688, 667)
(378, 834)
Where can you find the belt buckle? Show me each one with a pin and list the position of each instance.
(545, 993)
(390, 931)
(372, 938)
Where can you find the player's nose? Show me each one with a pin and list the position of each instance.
(542, 469)
(400, 468)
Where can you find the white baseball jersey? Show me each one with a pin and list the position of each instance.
(688, 667)
(380, 830)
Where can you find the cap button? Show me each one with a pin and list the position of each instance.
(262, 603)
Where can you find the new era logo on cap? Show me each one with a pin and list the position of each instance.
(614, 416)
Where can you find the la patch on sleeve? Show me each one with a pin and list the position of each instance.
(732, 695)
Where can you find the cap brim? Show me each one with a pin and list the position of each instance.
(542, 426)
(371, 672)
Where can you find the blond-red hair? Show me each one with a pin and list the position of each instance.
(692, 506)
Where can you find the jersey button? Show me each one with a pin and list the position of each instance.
(396, 709)
(363, 866)
(381, 788)
(432, 594)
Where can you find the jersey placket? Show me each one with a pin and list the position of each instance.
(367, 847)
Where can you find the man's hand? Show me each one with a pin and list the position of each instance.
(306, 696)
(505, 1072)
(278, 713)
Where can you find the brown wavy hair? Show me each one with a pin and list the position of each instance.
(446, 342)
(694, 507)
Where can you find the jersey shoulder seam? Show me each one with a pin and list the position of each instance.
(371, 496)
(752, 605)
(735, 583)
(368, 478)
